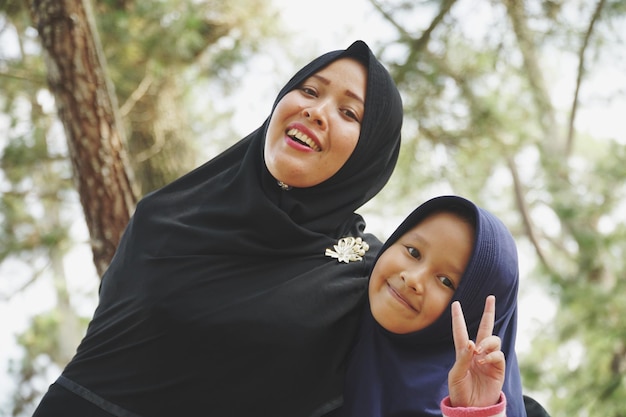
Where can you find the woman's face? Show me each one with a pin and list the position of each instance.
(315, 127)
(414, 280)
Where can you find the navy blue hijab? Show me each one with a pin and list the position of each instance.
(394, 375)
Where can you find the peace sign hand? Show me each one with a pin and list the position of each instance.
(477, 377)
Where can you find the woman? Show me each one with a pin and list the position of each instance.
(233, 291)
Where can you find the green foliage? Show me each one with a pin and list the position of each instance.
(40, 336)
(42, 347)
(36, 180)
(158, 52)
(483, 120)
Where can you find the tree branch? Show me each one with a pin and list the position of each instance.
(136, 95)
(417, 44)
(33, 278)
(523, 210)
(581, 72)
(547, 118)
(23, 76)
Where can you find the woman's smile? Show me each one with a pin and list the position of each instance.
(303, 137)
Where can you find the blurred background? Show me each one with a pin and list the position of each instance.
(519, 105)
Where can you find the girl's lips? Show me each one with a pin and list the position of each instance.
(401, 299)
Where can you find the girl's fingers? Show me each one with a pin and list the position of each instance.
(496, 359)
(464, 358)
(489, 344)
(459, 329)
(485, 329)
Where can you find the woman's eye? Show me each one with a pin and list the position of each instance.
(308, 91)
(352, 115)
(414, 252)
(447, 282)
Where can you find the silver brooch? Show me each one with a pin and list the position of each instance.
(349, 249)
(284, 186)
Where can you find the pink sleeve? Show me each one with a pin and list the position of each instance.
(498, 410)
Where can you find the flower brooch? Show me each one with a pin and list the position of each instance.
(348, 249)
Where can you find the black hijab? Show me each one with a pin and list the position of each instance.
(221, 300)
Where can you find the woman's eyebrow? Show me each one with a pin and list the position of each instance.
(322, 79)
(355, 96)
(349, 93)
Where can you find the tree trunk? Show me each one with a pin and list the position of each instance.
(88, 109)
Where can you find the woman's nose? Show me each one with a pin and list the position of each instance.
(316, 114)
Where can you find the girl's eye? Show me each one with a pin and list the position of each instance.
(447, 282)
(414, 252)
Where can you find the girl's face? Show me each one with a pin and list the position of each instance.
(315, 127)
(414, 280)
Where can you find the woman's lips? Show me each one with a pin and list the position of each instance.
(303, 138)
(300, 134)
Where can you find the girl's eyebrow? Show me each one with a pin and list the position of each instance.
(452, 264)
(416, 237)
(349, 93)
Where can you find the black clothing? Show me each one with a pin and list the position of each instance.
(220, 299)
(533, 408)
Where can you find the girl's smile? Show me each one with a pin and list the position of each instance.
(402, 299)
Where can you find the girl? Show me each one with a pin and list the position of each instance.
(413, 349)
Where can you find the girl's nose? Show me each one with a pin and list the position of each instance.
(413, 279)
